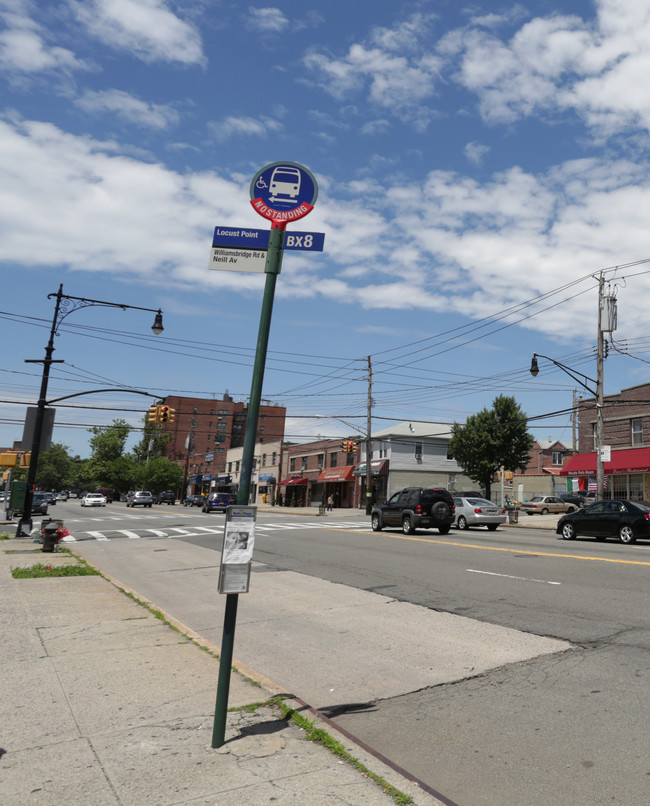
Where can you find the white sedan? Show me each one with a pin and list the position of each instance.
(93, 500)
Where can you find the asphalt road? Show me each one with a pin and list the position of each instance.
(560, 729)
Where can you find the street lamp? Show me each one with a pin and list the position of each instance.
(597, 393)
(64, 306)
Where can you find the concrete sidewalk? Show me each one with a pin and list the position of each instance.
(104, 703)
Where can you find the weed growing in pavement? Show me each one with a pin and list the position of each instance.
(41, 570)
(5, 536)
(315, 734)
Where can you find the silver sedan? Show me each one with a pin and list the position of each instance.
(478, 512)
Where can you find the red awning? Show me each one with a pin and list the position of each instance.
(337, 474)
(631, 460)
(292, 482)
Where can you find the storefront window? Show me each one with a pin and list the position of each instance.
(636, 487)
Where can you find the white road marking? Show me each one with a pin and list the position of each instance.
(132, 535)
(510, 576)
(97, 535)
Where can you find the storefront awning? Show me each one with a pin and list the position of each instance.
(378, 467)
(266, 478)
(337, 474)
(632, 460)
(292, 482)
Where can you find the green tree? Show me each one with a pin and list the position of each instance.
(158, 474)
(55, 468)
(108, 465)
(491, 439)
(153, 443)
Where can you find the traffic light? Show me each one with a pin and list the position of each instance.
(166, 414)
(348, 446)
(154, 414)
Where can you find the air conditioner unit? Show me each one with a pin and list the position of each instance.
(418, 456)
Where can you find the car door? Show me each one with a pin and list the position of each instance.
(594, 520)
(391, 510)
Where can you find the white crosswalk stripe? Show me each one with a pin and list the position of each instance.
(199, 531)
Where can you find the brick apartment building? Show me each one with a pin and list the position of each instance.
(626, 430)
(205, 429)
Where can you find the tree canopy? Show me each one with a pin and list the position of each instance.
(492, 439)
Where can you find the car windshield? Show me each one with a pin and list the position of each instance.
(480, 502)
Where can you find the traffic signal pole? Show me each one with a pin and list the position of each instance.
(272, 269)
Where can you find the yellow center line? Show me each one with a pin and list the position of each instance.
(501, 548)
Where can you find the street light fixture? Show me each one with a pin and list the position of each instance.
(64, 306)
(597, 393)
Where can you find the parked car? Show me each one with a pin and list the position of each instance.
(415, 508)
(626, 520)
(108, 493)
(39, 504)
(547, 504)
(93, 500)
(167, 498)
(573, 498)
(141, 498)
(51, 499)
(477, 512)
(62, 496)
(218, 502)
(194, 500)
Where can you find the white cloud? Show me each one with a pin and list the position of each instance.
(267, 19)
(232, 126)
(132, 109)
(475, 152)
(446, 243)
(24, 46)
(395, 66)
(145, 28)
(597, 68)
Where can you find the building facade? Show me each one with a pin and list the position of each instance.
(314, 471)
(413, 455)
(265, 475)
(204, 430)
(626, 439)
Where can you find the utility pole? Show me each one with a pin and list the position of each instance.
(600, 471)
(369, 441)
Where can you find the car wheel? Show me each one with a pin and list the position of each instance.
(492, 527)
(462, 523)
(568, 532)
(545, 511)
(571, 509)
(407, 525)
(444, 530)
(440, 510)
(375, 522)
(626, 534)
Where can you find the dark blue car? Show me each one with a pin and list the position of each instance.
(218, 502)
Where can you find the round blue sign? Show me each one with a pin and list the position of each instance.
(283, 191)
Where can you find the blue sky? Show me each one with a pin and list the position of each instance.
(477, 167)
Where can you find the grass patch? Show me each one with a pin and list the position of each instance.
(5, 536)
(41, 570)
(316, 734)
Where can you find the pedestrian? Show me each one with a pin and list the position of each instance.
(330, 503)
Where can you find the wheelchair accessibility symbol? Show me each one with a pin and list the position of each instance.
(283, 191)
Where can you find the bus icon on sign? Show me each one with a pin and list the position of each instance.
(284, 184)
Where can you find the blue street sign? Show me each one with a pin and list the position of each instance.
(238, 237)
(241, 238)
(283, 191)
(305, 241)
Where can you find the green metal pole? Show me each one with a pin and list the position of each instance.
(272, 269)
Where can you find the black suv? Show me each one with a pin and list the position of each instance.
(167, 498)
(416, 508)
